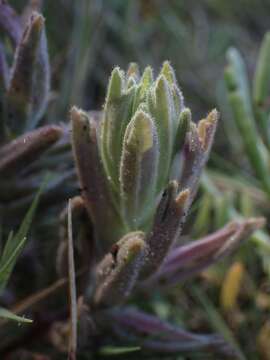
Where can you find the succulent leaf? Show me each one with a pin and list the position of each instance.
(162, 111)
(117, 113)
(28, 88)
(262, 77)
(118, 271)
(168, 220)
(158, 335)
(196, 151)
(186, 261)
(182, 129)
(138, 169)
(95, 191)
(21, 152)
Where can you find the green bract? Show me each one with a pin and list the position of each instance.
(139, 161)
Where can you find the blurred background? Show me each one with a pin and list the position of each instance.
(88, 37)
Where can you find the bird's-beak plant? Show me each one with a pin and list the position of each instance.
(139, 164)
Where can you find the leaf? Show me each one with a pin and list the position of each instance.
(161, 108)
(217, 321)
(118, 271)
(138, 168)
(6, 314)
(117, 350)
(28, 88)
(15, 244)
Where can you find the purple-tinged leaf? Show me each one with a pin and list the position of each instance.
(168, 220)
(118, 271)
(20, 153)
(28, 88)
(155, 334)
(10, 22)
(185, 261)
(138, 169)
(196, 151)
(94, 184)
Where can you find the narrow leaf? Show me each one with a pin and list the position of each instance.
(5, 314)
(168, 220)
(138, 169)
(21, 97)
(118, 271)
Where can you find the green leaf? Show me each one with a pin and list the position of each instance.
(6, 314)
(8, 263)
(216, 320)
(239, 72)
(117, 350)
(143, 87)
(255, 149)
(138, 169)
(15, 244)
(261, 87)
(115, 85)
(182, 129)
(161, 108)
(262, 73)
(168, 72)
(117, 114)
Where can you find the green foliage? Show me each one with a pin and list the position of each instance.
(139, 162)
(13, 248)
(242, 109)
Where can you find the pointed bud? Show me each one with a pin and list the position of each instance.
(168, 220)
(196, 151)
(207, 128)
(133, 71)
(118, 271)
(115, 86)
(147, 80)
(168, 72)
(182, 129)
